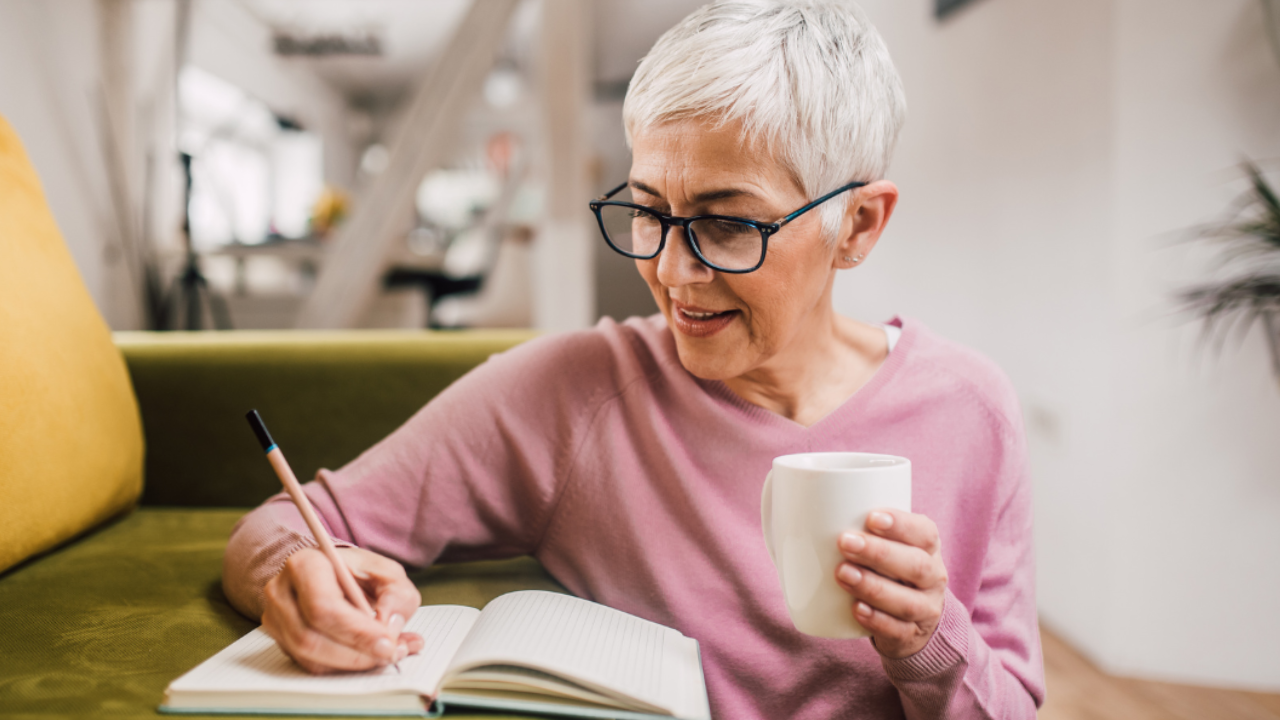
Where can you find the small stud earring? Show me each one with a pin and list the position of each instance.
(846, 258)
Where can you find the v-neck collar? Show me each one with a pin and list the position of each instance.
(862, 396)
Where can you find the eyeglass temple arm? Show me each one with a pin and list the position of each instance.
(816, 203)
(613, 192)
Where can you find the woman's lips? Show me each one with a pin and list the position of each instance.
(697, 322)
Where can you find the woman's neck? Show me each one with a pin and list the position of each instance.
(817, 372)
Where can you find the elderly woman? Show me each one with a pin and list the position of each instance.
(629, 458)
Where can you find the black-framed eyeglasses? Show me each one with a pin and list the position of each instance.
(722, 242)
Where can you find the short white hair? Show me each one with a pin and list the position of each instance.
(810, 81)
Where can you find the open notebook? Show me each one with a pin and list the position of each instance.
(527, 651)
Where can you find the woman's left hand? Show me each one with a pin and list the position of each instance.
(895, 573)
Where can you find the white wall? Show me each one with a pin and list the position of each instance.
(1050, 149)
(48, 77)
(1197, 88)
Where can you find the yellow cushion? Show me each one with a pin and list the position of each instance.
(70, 435)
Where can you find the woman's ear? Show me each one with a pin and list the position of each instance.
(866, 219)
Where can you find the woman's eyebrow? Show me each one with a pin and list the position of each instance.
(637, 185)
(703, 197)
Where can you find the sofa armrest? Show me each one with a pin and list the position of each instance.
(326, 396)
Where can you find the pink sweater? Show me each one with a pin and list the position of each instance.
(637, 485)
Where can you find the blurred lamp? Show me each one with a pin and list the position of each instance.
(503, 87)
(375, 159)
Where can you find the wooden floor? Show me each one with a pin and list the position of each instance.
(1079, 691)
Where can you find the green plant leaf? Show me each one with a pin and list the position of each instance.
(1250, 234)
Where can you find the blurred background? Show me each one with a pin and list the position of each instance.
(1069, 170)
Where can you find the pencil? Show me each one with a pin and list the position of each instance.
(345, 579)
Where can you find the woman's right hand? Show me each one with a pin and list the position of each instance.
(305, 611)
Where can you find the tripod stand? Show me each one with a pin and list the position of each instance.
(190, 292)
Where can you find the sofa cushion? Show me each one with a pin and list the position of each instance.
(326, 395)
(101, 627)
(70, 436)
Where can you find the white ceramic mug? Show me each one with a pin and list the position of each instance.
(808, 500)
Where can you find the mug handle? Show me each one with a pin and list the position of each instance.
(766, 515)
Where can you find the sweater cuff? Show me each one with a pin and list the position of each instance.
(948, 647)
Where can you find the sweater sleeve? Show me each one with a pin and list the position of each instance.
(472, 475)
(984, 661)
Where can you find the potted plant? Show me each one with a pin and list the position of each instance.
(1250, 290)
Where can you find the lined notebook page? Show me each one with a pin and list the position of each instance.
(588, 643)
(255, 663)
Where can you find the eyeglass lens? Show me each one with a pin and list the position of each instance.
(724, 243)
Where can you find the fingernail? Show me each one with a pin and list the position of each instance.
(880, 521)
(384, 647)
(863, 609)
(396, 624)
(402, 651)
(850, 574)
(852, 542)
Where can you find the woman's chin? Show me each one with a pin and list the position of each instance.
(707, 361)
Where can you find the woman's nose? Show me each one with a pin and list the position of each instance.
(677, 265)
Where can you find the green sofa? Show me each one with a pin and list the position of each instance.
(99, 626)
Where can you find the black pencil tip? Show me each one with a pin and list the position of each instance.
(260, 429)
